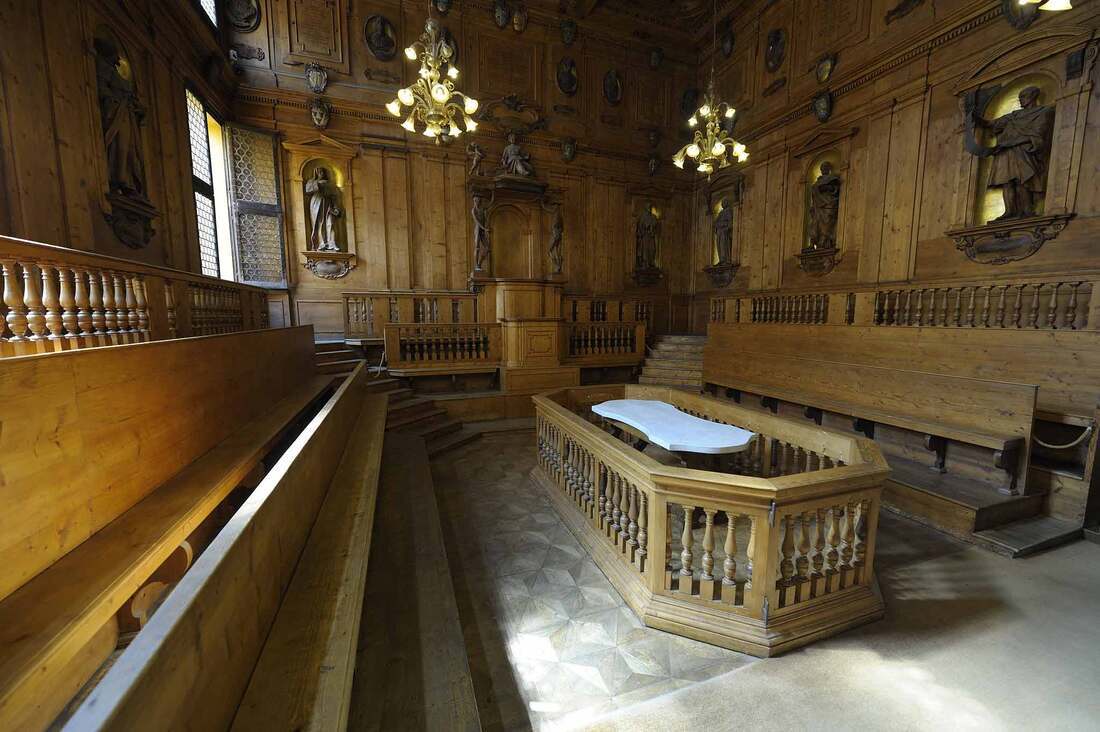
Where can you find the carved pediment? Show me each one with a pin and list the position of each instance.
(1021, 51)
(321, 145)
(824, 138)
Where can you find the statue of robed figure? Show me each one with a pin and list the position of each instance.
(324, 210)
(824, 207)
(1021, 153)
(481, 234)
(121, 114)
(723, 233)
(647, 231)
(514, 161)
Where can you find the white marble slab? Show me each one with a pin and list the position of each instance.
(666, 426)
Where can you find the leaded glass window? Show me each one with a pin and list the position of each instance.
(202, 180)
(258, 223)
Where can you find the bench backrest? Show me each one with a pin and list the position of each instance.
(969, 410)
(190, 666)
(1064, 364)
(85, 435)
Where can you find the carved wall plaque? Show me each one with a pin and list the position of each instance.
(381, 37)
(1001, 242)
(243, 15)
(613, 87)
(776, 49)
(567, 76)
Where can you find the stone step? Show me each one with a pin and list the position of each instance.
(338, 367)
(675, 363)
(386, 385)
(326, 346)
(677, 348)
(435, 428)
(669, 381)
(452, 441)
(405, 423)
(406, 408)
(686, 339)
(676, 373)
(344, 354)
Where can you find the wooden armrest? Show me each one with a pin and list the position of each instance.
(46, 622)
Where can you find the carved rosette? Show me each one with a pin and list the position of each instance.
(818, 262)
(721, 275)
(1001, 242)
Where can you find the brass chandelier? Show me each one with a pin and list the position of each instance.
(1053, 5)
(712, 147)
(436, 110)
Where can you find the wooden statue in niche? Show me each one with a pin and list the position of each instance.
(1021, 154)
(557, 230)
(647, 235)
(824, 207)
(324, 211)
(721, 273)
(480, 214)
(122, 116)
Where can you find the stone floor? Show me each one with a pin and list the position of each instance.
(971, 640)
(552, 645)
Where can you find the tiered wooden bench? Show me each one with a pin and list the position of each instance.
(112, 457)
(261, 634)
(978, 431)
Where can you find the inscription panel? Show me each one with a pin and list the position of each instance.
(317, 31)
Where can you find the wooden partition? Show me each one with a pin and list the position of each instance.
(58, 299)
(785, 553)
(367, 313)
(112, 457)
(442, 347)
(191, 666)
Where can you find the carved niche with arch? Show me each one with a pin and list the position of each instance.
(990, 91)
(818, 247)
(304, 158)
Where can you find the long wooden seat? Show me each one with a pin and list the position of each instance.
(261, 632)
(199, 414)
(989, 423)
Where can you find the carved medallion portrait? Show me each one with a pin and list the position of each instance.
(776, 49)
(568, 29)
(502, 13)
(656, 58)
(568, 149)
(689, 102)
(320, 111)
(381, 37)
(243, 15)
(316, 78)
(823, 106)
(823, 69)
(613, 87)
(519, 18)
(567, 76)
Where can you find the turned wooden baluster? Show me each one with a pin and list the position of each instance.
(1052, 307)
(729, 564)
(750, 552)
(686, 541)
(616, 513)
(643, 533)
(847, 546)
(632, 515)
(999, 317)
(708, 545)
(601, 491)
(786, 562)
(36, 312)
(624, 512)
(985, 306)
(1017, 305)
(132, 319)
(802, 564)
(818, 559)
(1070, 318)
(1033, 316)
(122, 315)
(83, 306)
(110, 315)
(51, 300)
(970, 307)
(958, 306)
(860, 549)
(920, 306)
(70, 319)
(13, 299)
(99, 309)
(832, 557)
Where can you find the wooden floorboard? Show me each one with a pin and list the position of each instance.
(412, 672)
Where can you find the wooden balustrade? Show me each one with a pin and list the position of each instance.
(772, 553)
(1032, 304)
(446, 347)
(57, 299)
(366, 314)
(594, 309)
(596, 343)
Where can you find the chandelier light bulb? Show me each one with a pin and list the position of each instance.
(452, 72)
(394, 108)
(405, 96)
(678, 162)
(704, 111)
(693, 150)
(471, 105)
(730, 112)
(440, 93)
(409, 124)
(692, 122)
(471, 126)
(410, 53)
(430, 132)
(1056, 5)
(704, 168)
(719, 148)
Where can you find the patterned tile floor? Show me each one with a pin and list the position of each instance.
(551, 643)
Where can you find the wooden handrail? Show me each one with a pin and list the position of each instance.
(57, 299)
(431, 345)
(798, 516)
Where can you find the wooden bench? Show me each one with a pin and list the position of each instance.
(987, 423)
(261, 633)
(111, 459)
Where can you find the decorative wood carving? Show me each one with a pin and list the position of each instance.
(1003, 241)
(329, 265)
(776, 49)
(318, 32)
(381, 37)
(902, 9)
(244, 15)
(721, 275)
(823, 106)
(613, 87)
(1019, 16)
(818, 261)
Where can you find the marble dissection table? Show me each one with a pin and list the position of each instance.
(664, 425)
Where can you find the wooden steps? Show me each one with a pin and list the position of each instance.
(412, 671)
(334, 357)
(675, 360)
(1029, 535)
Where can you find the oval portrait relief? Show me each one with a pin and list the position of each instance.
(613, 87)
(567, 76)
(381, 37)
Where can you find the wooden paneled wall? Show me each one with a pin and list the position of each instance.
(53, 176)
(409, 200)
(897, 125)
